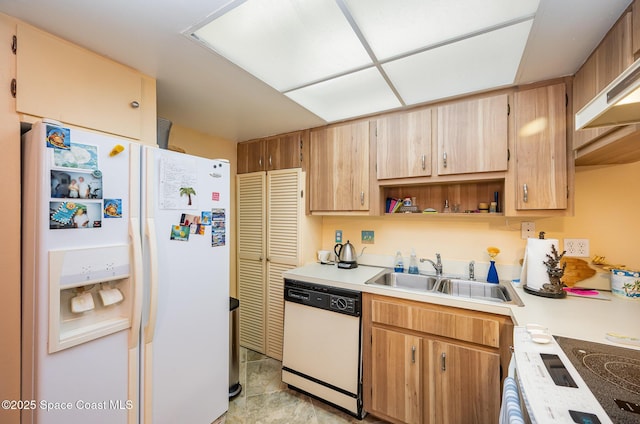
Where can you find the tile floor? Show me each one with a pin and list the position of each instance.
(265, 399)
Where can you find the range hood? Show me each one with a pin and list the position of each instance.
(617, 104)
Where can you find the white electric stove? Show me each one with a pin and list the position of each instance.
(550, 386)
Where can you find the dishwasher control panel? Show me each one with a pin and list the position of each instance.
(334, 299)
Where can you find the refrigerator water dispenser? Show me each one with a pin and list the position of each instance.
(90, 293)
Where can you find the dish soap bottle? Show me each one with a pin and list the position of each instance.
(398, 264)
(413, 263)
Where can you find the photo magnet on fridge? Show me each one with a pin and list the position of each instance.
(58, 137)
(76, 185)
(112, 208)
(180, 232)
(64, 215)
(81, 156)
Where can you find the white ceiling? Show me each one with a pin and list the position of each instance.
(203, 91)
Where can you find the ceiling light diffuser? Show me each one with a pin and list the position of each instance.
(346, 58)
(393, 28)
(356, 94)
(286, 43)
(474, 64)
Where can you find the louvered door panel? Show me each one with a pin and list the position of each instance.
(283, 221)
(275, 306)
(251, 255)
(284, 204)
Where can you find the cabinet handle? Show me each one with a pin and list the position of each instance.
(413, 354)
(260, 162)
(362, 198)
(270, 161)
(444, 159)
(525, 193)
(443, 357)
(260, 258)
(424, 164)
(135, 104)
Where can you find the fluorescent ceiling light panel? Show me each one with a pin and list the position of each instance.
(356, 94)
(287, 43)
(478, 63)
(393, 28)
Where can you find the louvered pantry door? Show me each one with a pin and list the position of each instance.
(251, 204)
(284, 212)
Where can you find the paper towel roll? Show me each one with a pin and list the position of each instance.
(534, 270)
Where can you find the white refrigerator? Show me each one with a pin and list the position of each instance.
(125, 284)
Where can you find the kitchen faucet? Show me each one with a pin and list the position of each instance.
(472, 274)
(437, 265)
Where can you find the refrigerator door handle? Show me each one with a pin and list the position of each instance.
(150, 233)
(137, 284)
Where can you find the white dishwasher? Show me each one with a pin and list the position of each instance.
(322, 347)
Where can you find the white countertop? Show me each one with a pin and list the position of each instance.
(574, 317)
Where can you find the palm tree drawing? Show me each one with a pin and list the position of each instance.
(187, 191)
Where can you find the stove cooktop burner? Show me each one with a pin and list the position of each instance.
(610, 372)
(622, 371)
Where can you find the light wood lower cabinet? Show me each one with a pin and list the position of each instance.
(396, 374)
(464, 384)
(427, 363)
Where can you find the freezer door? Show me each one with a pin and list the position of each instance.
(186, 314)
(75, 342)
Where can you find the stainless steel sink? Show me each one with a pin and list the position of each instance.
(477, 290)
(456, 287)
(407, 281)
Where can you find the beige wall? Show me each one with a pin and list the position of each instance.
(204, 145)
(606, 202)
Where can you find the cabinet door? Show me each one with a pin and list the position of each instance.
(61, 81)
(251, 204)
(540, 148)
(404, 145)
(472, 136)
(284, 212)
(340, 168)
(465, 384)
(283, 152)
(396, 375)
(612, 56)
(251, 156)
(585, 87)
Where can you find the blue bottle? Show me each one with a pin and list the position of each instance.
(492, 277)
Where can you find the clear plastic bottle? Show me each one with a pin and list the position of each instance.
(413, 263)
(398, 263)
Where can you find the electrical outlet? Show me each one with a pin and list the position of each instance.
(528, 230)
(576, 248)
(338, 236)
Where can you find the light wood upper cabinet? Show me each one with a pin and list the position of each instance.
(339, 167)
(61, 81)
(608, 60)
(271, 153)
(540, 148)
(404, 145)
(473, 136)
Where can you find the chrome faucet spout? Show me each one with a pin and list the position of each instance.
(472, 274)
(437, 265)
